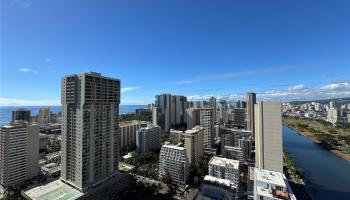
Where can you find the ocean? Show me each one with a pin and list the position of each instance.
(6, 111)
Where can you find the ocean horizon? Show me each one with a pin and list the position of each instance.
(6, 111)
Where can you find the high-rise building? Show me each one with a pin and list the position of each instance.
(173, 163)
(90, 142)
(245, 144)
(207, 123)
(193, 117)
(194, 144)
(21, 114)
(268, 136)
(271, 185)
(223, 112)
(234, 153)
(170, 110)
(19, 153)
(224, 168)
(231, 136)
(175, 136)
(148, 139)
(127, 134)
(44, 116)
(238, 117)
(251, 100)
(212, 105)
(332, 115)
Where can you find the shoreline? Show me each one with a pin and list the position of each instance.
(311, 136)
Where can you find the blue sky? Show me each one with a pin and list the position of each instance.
(280, 49)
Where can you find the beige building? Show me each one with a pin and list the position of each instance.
(193, 118)
(176, 136)
(127, 133)
(268, 136)
(194, 144)
(90, 142)
(19, 153)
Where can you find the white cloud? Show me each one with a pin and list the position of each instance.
(48, 59)
(337, 89)
(26, 102)
(28, 70)
(128, 89)
(296, 87)
(21, 3)
(229, 75)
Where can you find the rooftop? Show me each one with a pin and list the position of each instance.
(166, 145)
(194, 129)
(56, 190)
(223, 162)
(219, 181)
(271, 177)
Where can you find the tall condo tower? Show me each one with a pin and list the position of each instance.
(90, 109)
(268, 136)
(251, 100)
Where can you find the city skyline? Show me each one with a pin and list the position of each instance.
(185, 49)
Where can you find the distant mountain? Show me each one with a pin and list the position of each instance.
(323, 101)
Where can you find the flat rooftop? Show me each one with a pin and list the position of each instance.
(56, 190)
(271, 177)
(223, 162)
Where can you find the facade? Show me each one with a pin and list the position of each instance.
(21, 114)
(44, 116)
(231, 136)
(246, 146)
(212, 105)
(176, 136)
(223, 112)
(127, 134)
(193, 117)
(194, 144)
(271, 185)
(90, 141)
(224, 168)
(251, 101)
(238, 117)
(173, 162)
(207, 123)
(148, 139)
(19, 153)
(268, 136)
(170, 110)
(234, 153)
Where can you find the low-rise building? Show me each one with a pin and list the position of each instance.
(215, 188)
(234, 153)
(271, 185)
(224, 168)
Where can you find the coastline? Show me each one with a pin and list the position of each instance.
(312, 136)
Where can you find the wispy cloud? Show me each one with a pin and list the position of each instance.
(28, 70)
(21, 3)
(26, 102)
(128, 89)
(336, 89)
(229, 75)
(48, 59)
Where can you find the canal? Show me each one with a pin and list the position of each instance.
(327, 176)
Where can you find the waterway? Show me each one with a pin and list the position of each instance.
(327, 176)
